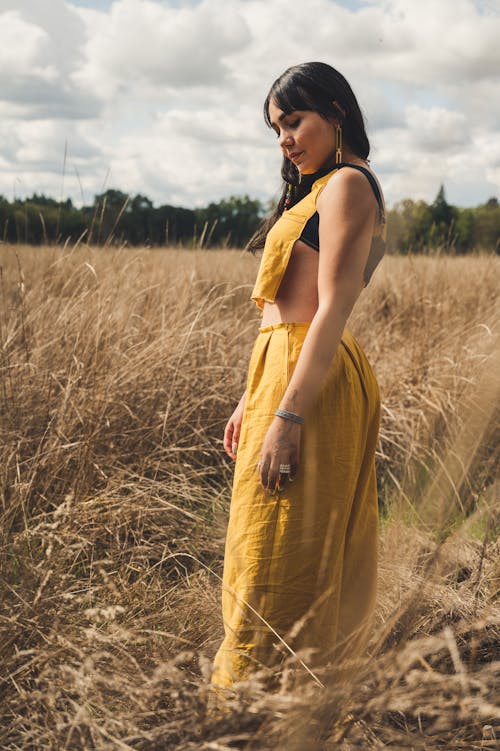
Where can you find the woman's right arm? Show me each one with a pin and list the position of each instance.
(233, 428)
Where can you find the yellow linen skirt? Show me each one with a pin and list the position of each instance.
(300, 565)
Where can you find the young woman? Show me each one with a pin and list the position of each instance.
(301, 550)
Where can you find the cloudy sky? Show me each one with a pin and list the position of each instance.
(164, 97)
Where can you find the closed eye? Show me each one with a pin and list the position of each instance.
(294, 124)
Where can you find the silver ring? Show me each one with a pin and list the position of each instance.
(285, 469)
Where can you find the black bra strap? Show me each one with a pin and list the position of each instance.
(371, 180)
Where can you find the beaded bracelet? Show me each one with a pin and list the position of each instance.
(289, 416)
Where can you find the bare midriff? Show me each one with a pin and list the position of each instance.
(297, 297)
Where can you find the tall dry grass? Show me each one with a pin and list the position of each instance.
(118, 372)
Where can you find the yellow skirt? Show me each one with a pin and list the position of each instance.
(300, 566)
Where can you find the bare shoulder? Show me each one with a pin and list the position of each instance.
(348, 190)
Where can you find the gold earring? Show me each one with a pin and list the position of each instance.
(338, 145)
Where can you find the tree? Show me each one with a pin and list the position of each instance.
(487, 226)
(465, 230)
(107, 211)
(412, 221)
(114, 216)
(443, 217)
(231, 221)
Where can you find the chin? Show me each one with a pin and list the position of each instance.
(308, 169)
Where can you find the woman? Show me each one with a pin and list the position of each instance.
(301, 549)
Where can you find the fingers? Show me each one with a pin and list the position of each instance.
(263, 470)
(274, 476)
(294, 467)
(279, 457)
(232, 437)
(228, 439)
(236, 438)
(271, 479)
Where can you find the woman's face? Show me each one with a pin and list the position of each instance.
(305, 137)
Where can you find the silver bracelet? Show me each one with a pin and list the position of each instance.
(286, 415)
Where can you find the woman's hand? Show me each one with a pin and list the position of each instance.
(233, 428)
(281, 447)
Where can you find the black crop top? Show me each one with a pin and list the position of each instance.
(310, 233)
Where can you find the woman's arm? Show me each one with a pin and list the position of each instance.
(347, 210)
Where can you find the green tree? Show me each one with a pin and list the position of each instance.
(231, 221)
(443, 217)
(412, 222)
(108, 209)
(487, 226)
(465, 230)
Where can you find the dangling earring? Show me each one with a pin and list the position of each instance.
(288, 197)
(338, 145)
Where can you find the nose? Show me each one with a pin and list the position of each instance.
(285, 140)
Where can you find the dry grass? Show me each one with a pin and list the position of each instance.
(118, 371)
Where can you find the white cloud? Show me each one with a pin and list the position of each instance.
(41, 47)
(142, 42)
(437, 129)
(168, 95)
(21, 35)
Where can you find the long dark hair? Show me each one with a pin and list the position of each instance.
(322, 89)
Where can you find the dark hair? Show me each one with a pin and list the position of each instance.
(322, 89)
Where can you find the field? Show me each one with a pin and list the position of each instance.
(119, 369)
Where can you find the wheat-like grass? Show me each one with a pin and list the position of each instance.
(119, 369)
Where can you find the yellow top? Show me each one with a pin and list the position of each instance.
(279, 243)
(288, 229)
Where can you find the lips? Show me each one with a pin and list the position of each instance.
(295, 156)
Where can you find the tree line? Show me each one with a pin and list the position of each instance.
(117, 218)
(415, 226)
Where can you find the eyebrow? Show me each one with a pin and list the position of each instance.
(280, 118)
